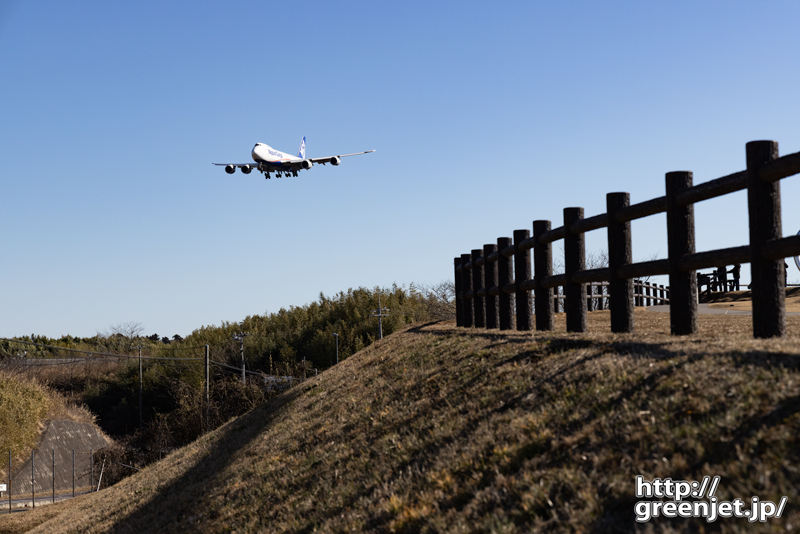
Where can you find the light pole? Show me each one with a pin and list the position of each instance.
(140, 385)
(337, 347)
(379, 313)
(240, 338)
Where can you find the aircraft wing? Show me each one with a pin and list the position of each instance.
(251, 164)
(328, 159)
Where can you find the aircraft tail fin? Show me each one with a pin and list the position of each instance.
(302, 152)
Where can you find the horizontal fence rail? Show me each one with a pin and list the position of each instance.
(494, 284)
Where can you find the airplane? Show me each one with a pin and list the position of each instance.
(268, 160)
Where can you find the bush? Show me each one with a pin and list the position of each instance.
(23, 403)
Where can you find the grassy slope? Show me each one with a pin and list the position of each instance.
(445, 429)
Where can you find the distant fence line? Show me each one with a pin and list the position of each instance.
(42, 479)
(487, 278)
(644, 294)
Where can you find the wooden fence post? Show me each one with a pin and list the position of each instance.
(477, 284)
(522, 272)
(620, 252)
(490, 281)
(466, 285)
(543, 266)
(504, 270)
(459, 296)
(574, 261)
(764, 206)
(589, 297)
(680, 242)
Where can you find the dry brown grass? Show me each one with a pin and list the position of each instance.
(23, 404)
(741, 300)
(461, 430)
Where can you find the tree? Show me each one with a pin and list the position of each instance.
(122, 335)
(440, 299)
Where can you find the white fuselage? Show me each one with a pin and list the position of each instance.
(262, 152)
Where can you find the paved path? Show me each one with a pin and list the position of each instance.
(705, 309)
(23, 504)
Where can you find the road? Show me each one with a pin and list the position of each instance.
(24, 504)
(705, 309)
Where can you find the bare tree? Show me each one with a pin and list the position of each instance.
(122, 335)
(440, 299)
(597, 259)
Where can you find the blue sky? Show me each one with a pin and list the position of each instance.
(484, 116)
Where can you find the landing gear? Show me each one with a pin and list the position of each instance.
(294, 173)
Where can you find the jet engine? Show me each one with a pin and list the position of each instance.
(230, 169)
(306, 164)
(335, 160)
(246, 169)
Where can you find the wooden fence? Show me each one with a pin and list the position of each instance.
(597, 296)
(487, 278)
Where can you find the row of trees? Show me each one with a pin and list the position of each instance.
(277, 341)
(277, 344)
(118, 339)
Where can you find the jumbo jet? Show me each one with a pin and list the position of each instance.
(268, 160)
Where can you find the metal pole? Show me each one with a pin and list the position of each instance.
(337, 347)
(379, 313)
(9, 481)
(241, 350)
(33, 487)
(102, 467)
(207, 386)
(54, 476)
(140, 387)
(73, 472)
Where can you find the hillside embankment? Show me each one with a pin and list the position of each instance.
(34, 416)
(440, 429)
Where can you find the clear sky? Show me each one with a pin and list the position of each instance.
(485, 116)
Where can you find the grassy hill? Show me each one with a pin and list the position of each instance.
(443, 429)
